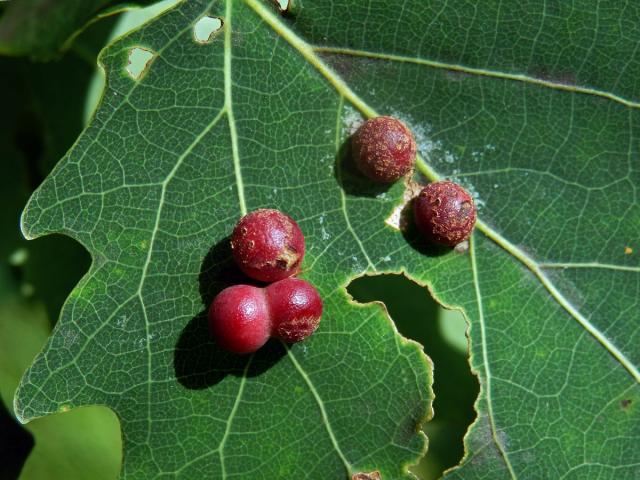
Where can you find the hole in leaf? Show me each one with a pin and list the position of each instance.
(139, 61)
(54, 253)
(205, 29)
(83, 442)
(442, 333)
(283, 5)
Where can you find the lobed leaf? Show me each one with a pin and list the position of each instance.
(516, 102)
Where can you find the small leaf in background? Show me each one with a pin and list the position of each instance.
(442, 332)
(15, 444)
(37, 126)
(44, 29)
(84, 443)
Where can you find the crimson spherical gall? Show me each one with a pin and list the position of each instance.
(268, 245)
(445, 213)
(384, 149)
(239, 318)
(296, 309)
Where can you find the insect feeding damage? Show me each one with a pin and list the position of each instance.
(140, 59)
(367, 476)
(400, 217)
(205, 29)
(283, 5)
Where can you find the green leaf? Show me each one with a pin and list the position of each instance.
(80, 444)
(43, 110)
(442, 333)
(42, 117)
(532, 107)
(132, 335)
(42, 29)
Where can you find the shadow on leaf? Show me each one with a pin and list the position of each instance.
(414, 238)
(349, 177)
(199, 362)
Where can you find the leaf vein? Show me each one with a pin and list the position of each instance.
(519, 77)
(485, 357)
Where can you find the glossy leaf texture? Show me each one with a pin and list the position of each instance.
(152, 189)
(533, 107)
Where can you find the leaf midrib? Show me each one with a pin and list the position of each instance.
(485, 358)
(243, 208)
(308, 52)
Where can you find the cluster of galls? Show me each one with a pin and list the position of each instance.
(385, 151)
(268, 246)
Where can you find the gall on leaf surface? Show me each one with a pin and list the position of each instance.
(152, 189)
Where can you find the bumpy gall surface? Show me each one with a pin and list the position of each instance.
(296, 309)
(384, 149)
(445, 213)
(239, 319)
(268, 245)
(243, 317)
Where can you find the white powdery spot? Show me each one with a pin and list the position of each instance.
(351, 119)
(356, 264)
(122, 321)
(462, 247)
(421, 131)
(394, 219)
(503, 438)
(323, 234)
(69, 335)
(478, 155)
(474, 193)
(448, 157)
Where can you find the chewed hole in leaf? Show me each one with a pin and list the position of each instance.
(375, 475)
(283, 5)
(77, 434)
(442, 334)
(139, 61)
(57, 253)
(206, 28)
